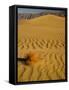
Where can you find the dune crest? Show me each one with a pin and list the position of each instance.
(49, 16)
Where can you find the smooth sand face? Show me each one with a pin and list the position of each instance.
(41, 42)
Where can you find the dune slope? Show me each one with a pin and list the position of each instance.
(42, 39)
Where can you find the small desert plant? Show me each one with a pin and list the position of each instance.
(30, 58)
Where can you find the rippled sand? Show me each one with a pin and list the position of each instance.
(42, 39)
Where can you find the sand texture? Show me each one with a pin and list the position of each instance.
(41, 48)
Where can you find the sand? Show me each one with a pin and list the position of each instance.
(43, 40)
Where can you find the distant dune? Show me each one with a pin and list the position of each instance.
(44, 26)
(41, 48)
(31, 15)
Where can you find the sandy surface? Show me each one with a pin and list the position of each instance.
(42, 39)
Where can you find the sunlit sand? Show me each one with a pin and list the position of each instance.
(41, 42)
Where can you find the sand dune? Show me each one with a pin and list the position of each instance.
(42, 39)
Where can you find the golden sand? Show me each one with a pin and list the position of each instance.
(43, 40)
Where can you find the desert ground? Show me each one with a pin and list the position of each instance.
(41, 48)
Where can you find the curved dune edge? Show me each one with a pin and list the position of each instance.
(48, 20)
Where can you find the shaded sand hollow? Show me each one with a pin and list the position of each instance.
(41, 41)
